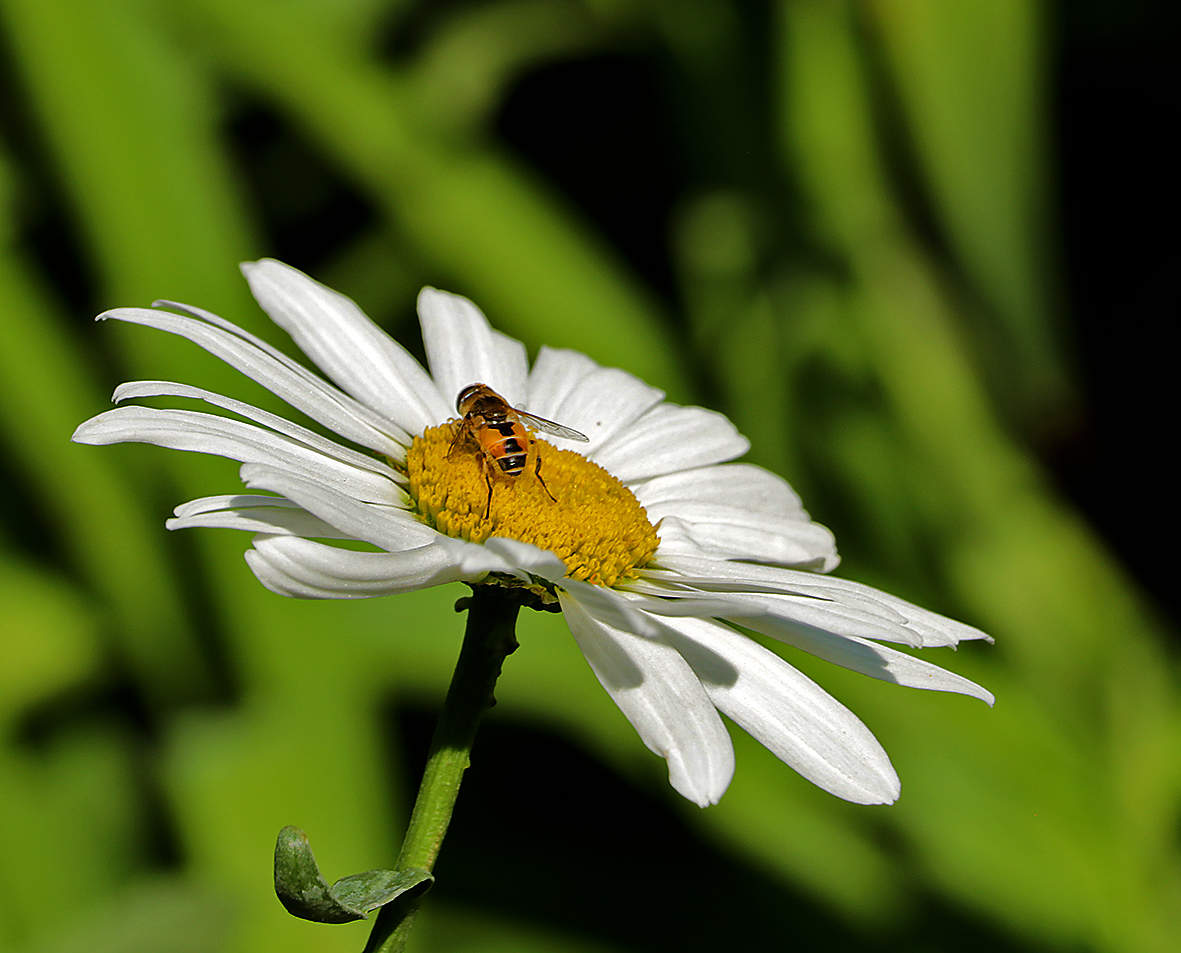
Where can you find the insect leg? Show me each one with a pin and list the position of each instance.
(537, 470)
(488, 480)
(461, 432)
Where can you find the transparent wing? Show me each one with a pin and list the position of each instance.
(548, 426)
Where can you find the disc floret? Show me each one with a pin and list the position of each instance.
(588, 518)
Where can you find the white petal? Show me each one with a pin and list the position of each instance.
(476, 560)
(527, 558)
(836, 626)
(652, 601)
(312, 381)
(350, 348)
(827, 616)
(211, 504)
(663, 699)
(791, 715)
(666, 583)
(849, 614)
(931, 628)
(729, 575)
(861, 655)
(733, 533)
(676, 543)
(137, 389)
(831, 617)
(668, 438)
(206, 433)
(611, 607)
(603, 403)
(389, 527)
(305, 569)
(254, 514)
(278, 373)
(555, 373)
(752, 487)
(462, 349)
(512, 369)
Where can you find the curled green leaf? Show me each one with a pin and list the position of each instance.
(305, 893)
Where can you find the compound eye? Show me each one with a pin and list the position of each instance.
(465, 395)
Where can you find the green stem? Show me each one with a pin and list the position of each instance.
(489, 638)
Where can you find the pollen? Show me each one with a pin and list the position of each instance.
(588, 518)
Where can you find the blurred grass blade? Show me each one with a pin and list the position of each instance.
(97, 515)
(506, 242)
(129, 127)
(971, 78)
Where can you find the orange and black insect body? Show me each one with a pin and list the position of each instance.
(506, 442)
(497, 430)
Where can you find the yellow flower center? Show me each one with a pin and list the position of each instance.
(593, 523)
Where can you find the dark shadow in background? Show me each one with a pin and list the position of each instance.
(1116, 110)
(546, 835)
(1115, 103)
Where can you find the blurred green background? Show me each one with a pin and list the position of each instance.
(916, 249)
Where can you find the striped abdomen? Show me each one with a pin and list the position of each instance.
(507, 443)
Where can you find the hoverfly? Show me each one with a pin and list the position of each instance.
(499, 432)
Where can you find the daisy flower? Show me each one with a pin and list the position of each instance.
(658, 550)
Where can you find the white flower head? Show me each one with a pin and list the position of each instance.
(652, 543)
